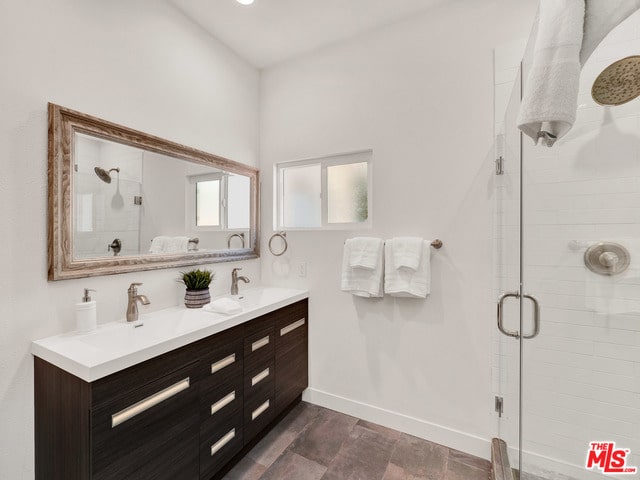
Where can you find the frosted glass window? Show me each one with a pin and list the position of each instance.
(301, 196)
(347, 198)
(208, 203)
(328, 192)
(238, 198)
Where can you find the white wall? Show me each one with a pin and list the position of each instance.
(419, 93)
(138, 63)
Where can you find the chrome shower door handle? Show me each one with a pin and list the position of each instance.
(503, 297)
(536, 316)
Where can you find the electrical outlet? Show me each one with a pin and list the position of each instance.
(302, 269)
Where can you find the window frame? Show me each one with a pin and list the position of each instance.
(192, 201)
(348, 158)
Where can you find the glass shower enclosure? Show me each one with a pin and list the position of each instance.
(566, 342)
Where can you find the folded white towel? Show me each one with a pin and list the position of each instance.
(550, 100)
(224, 305)
(407, 252)
(602, 16)
(364, 252)
(177, 245)
(159, 244)
(362, 282)
(164, 244)
(403, 282)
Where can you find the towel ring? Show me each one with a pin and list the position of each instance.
(239, 235)
(283, 236)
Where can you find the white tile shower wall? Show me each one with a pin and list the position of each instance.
(582, 374)
(112, 212)
(419, 94)
(138, 63)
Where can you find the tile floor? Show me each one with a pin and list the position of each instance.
(314, 443)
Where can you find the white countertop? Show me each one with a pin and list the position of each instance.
(118, 345)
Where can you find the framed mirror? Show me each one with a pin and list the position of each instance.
(121, 201)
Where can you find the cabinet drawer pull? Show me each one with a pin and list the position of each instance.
(259, 377)
(220, 404)
(292, 327)
(223, 441)
(225, 362)
(260, 343)
(260, 410)
(149, 402)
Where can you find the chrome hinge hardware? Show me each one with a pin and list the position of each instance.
(499, 405)
(500, 165)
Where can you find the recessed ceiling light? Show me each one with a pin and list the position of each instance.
(245, 2)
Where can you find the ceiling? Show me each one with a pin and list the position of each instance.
(272, 31)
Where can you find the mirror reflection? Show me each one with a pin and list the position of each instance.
(128, 201)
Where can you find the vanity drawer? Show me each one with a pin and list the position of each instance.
(125, 382)
(259, 379)
(220, 404)
(220, 445)
(259, 347)
(258, 413)
(222, 363)
(158, 421)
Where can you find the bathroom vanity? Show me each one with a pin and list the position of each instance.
(177, 398)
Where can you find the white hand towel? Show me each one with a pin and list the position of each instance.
(407, 252)
(362, 282)
(224, 305)
(364, 252)
(177, 245)
(159, 244)
(403, 282)
(550, 100)
(602, 16)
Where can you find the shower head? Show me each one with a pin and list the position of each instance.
(104, 175)
(619, 83)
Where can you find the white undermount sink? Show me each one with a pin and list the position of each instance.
(118, 345)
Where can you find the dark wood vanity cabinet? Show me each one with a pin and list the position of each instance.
(182, 415)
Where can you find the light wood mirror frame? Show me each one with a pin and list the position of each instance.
(63, 125)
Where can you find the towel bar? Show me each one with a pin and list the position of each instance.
(437, 244)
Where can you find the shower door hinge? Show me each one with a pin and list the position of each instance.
(500, 165)
(499, 403)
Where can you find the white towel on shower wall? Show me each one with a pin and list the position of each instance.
(362, 282)
(404, 282)
(602, 16)
(550, 100)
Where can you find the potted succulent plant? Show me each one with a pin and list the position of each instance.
(197, 283)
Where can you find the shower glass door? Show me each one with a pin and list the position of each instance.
(578, 385)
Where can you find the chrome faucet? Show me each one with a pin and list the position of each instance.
(132, 304)
(234, 281)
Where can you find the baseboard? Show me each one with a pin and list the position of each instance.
(465, 442)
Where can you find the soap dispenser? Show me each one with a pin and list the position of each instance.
(86, 318)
